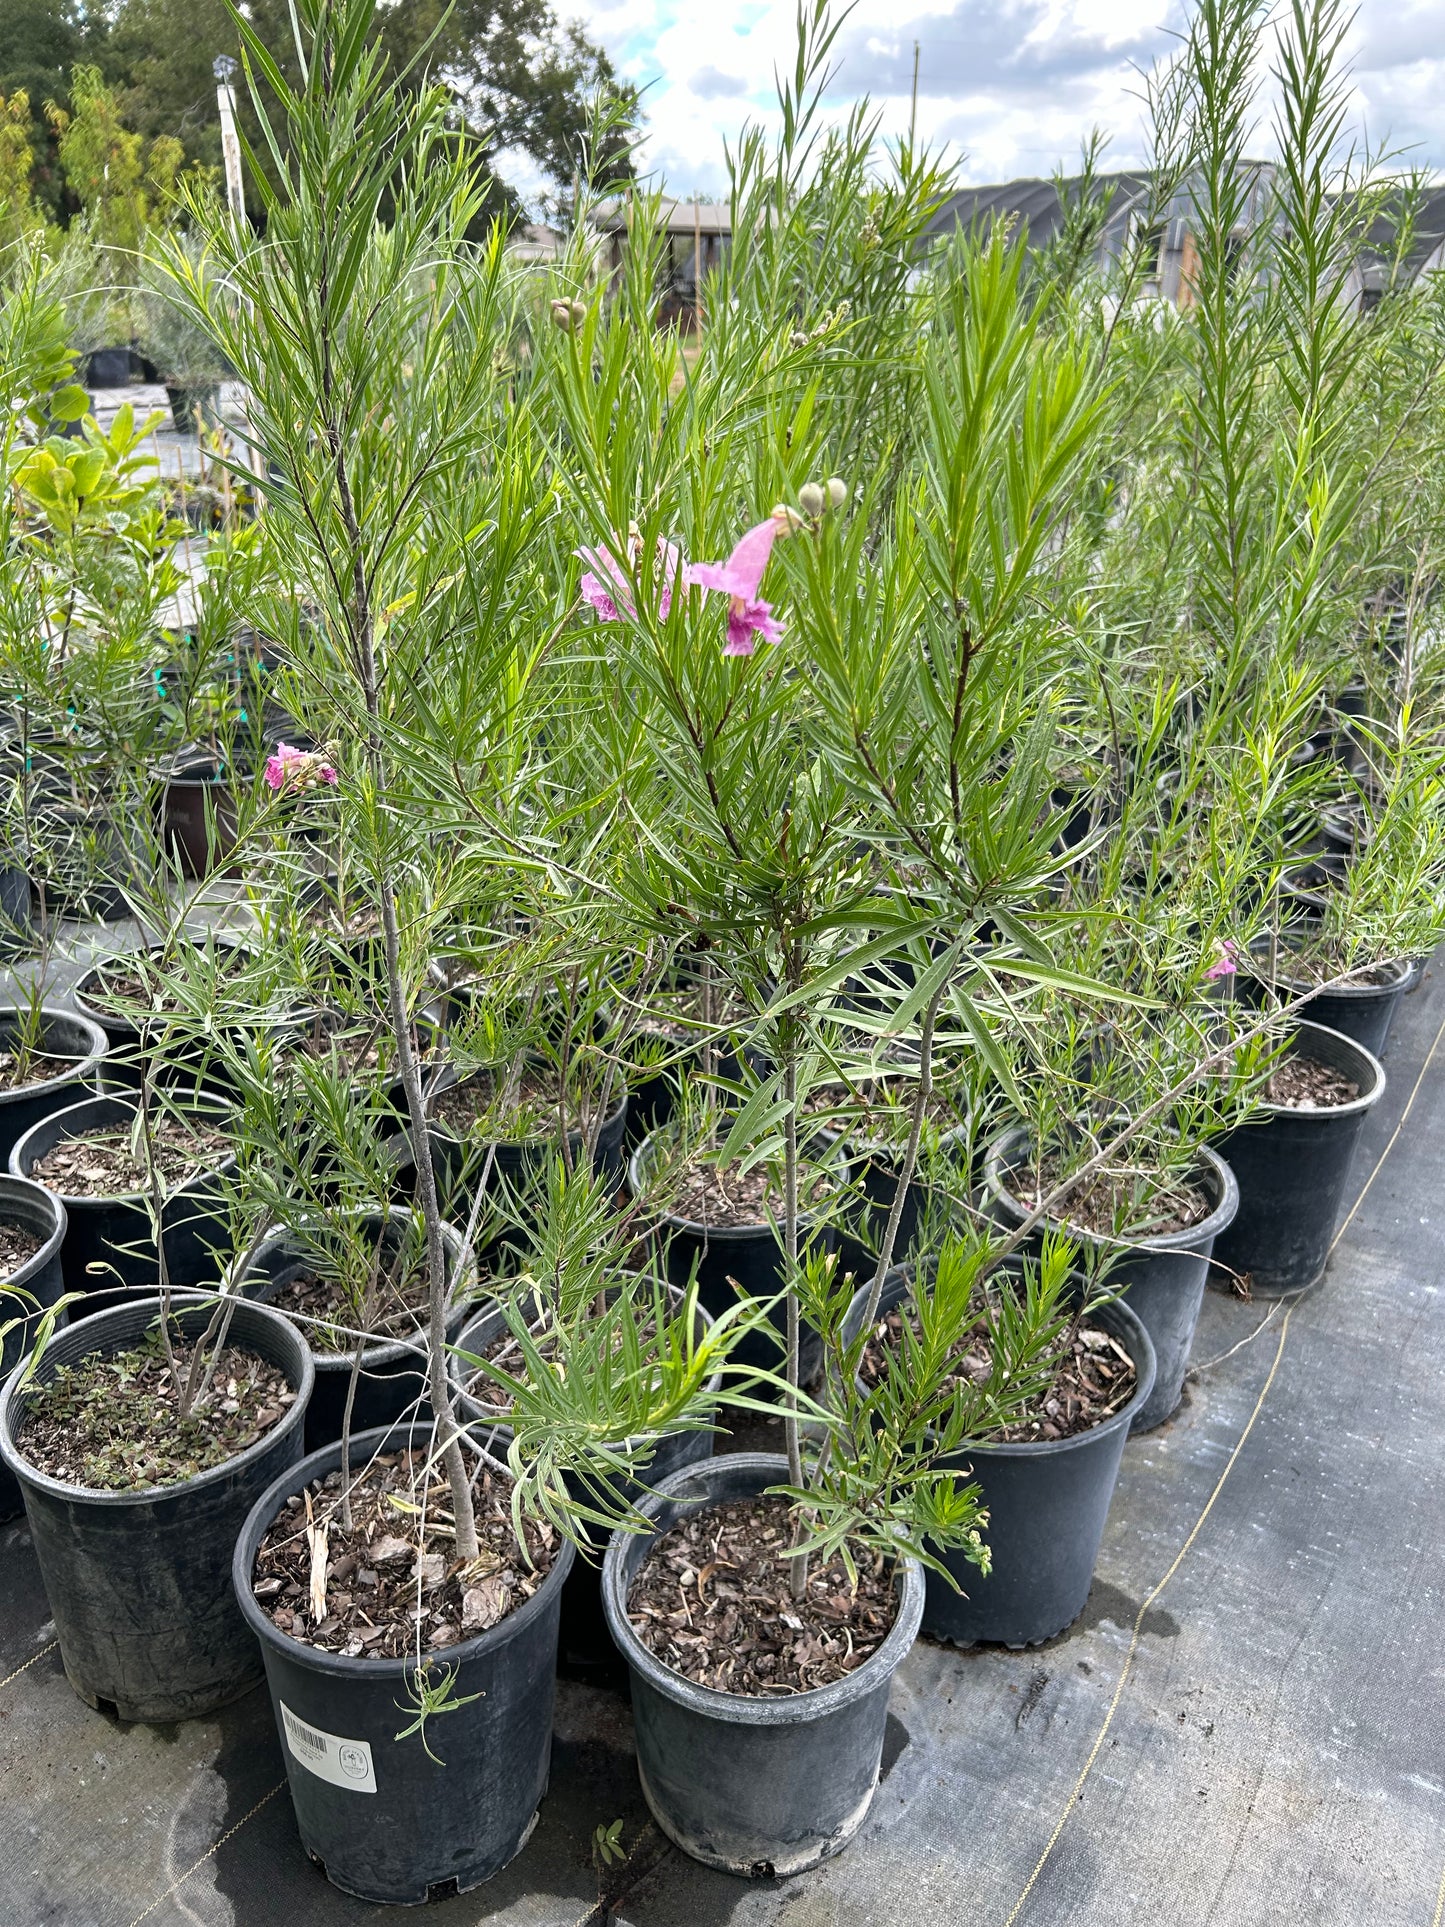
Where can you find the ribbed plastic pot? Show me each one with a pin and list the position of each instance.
(17, 914)
(1292, 1168)
(1163, 1278)
(1047, 1501)
(66, 1034)
(114, 1234)
(585, 1642)
(392, 1386)
(1362, 1011)
(760, 1787)
(28, 1292)
(732, 1261)
(385, 1820)
(139, 1583)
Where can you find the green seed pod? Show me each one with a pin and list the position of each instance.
(579, 313)
(562, 316)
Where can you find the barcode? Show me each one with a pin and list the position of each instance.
(305, 1735)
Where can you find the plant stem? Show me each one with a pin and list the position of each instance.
(910, 1154)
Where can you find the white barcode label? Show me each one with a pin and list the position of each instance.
(343, 1762)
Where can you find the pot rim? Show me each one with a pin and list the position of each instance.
(215, 1100)
(836, 1154)
(77, 1068)
(737, 1709)
(181, 1302)
(36, 1263)
(336, 1665)
(387, 1351)
(1213, 1167)
(902, 1285)
(1356, 1105)
(1402, 967)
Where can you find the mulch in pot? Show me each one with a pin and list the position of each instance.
(388, 1579)
(1304, 1083)
(1094, 1378)
(708, 1192)
(17, 1248)
(713, 1602)
(19, 1071)
(109, 1164)
(1109, 1202)
(400, 1304)
(114, 1424)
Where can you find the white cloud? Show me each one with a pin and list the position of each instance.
(1012, 86)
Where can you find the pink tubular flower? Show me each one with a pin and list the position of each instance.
(298, 769)
(1225, 964)
(740, 578)
(606, 585)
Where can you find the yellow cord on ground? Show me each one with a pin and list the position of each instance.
(1179, 1557)
(215, 1847)
(34, 1660)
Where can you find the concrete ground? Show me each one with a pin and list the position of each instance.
(1267, 1753)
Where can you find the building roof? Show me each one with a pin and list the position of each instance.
(1425, 239)
(1035, 202)
(674, 217)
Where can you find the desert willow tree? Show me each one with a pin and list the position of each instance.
(366, 338)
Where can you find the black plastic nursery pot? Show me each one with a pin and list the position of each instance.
(732, 1261)
(585, 1642)
(392, 1386)
(1362, 1011)
(28, 1292)
(385, 1820)
(139, 1583)
(109, 1251)
(1292, 1168)
(760, 1787)
(199, 815)
(1163, 1278)
(64, 1034)
(517, 1163)
(1047, 1502)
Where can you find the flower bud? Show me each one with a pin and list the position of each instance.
(837, 492)
(579, 313)
(788, 520)
(811, 500)
(562, 316)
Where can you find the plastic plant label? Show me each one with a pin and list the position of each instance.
(345, 1763)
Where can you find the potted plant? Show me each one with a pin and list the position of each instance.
(49, 1058)
(140, 1437)
(32, 1229)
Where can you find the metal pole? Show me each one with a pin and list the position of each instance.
(913, 110)
(697, 268)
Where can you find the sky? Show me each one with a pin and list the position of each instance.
(1011, 86)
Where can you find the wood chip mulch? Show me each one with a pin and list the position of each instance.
(1114, 1203)
(114, 1424)
(712, 1193)
(367, 1593)
(109, 1164)
(1094, 1378)
(1305, 1084)
(17, 1248)
(712, 1601)
(19, 1071)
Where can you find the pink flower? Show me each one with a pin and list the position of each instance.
(740, 578)
(607, 587)
(298, 769)
(1225, 964)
